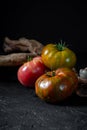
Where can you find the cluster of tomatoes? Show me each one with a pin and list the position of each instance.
(51, 73)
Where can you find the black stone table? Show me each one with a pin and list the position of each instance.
(21, 109)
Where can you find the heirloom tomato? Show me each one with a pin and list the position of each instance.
(55, 86)
(58, 55)
(30, 71)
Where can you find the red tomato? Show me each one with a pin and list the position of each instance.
(30, 71)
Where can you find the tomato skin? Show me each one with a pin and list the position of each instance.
(30, 71)
(58, 87)
(54, 58)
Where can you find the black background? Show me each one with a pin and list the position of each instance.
(47, 21)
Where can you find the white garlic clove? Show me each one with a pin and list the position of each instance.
(83, 73)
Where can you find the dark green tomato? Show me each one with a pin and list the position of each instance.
(56, 86)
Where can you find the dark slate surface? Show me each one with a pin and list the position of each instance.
(21, 109)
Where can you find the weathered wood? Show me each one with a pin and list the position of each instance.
(14, 59)
(82, 87)
(22, 45)
(17, 51)
(82, 81)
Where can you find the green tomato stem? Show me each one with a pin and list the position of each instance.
(50, 74)
(60, 46)
(29, 58)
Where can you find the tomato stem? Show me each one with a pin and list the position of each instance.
(60, 46)
(50, 74)
(29, 58)
(53, 73)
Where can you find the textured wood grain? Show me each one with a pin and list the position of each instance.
(17, 51)
(23, 45)
(15, 59)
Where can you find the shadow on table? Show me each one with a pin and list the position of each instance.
(73, 100)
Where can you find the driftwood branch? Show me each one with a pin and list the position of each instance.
(82, 87)
(17, 51)
(82, 81)
(15, 59)
(22, 45)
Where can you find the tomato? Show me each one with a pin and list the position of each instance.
(30, 71)
(58, 55)
(55, 86)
